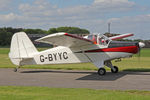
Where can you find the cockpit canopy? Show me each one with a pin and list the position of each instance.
(99, 39)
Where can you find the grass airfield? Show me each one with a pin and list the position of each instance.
(135, 63)
(43, 93)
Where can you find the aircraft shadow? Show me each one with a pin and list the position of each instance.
(58, 71)
(110, 76)
(92, 75)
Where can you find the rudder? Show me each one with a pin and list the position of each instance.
(21, 48)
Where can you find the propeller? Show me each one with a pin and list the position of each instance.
(140, 45)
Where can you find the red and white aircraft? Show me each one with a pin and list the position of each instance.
(97, 49)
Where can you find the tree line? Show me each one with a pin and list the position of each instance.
(6, 33)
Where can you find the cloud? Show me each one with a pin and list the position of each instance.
(139, 25)
(4, 5)
(111, 5)
(114, 2)
(94, 17)
(99, 7)
(41, 11)
(38, 8)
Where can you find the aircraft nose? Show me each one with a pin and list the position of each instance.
(141, 44)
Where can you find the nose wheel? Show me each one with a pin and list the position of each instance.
(101, 71)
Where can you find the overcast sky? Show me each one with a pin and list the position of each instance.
(125, 16)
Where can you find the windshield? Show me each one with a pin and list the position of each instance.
(99, 39)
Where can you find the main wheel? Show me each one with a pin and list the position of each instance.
(101, 71)
(115, 69)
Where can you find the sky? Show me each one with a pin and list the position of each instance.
(125, 16)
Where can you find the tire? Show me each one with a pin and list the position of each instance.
(101, 71)
(116, 69)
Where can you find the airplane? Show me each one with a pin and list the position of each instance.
(97, 49)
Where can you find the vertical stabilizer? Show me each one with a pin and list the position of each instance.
(21, 48)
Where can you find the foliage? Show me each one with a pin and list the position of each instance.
(72, 30)
(52, 30)
(35, 31)
(7, 32)
(5, 37)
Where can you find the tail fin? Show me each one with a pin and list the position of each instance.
(21, 48)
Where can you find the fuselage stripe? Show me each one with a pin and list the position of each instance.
(128, 49)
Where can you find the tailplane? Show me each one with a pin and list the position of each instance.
(21, 48)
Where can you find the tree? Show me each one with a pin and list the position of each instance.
(6, 33)
(35, 31)
(5, 37)
(72, 30)
(52, 30)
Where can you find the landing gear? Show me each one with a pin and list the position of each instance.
(16, 69)
(101, 71)
(114, 69)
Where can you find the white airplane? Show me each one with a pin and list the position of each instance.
(97, 49)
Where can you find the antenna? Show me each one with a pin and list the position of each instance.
(109, 27)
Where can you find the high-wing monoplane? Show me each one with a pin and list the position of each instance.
(97, 49)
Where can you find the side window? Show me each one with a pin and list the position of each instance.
(100, 40)
(90, 37)
(95, 38)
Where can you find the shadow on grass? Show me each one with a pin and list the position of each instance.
(137, 70)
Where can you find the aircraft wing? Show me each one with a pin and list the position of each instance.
(121, 36)
(65, 39)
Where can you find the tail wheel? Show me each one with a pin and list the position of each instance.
(101, 71)
(15, 69)
(115, 69)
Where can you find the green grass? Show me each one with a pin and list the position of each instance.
(128, 64)
(145, 52)
(6, 50)
(44, 93)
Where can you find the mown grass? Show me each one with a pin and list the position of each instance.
(129, 64)
(44, 93)
(6, 50)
